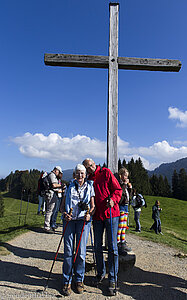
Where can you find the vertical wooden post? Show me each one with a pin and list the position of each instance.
(112, 128)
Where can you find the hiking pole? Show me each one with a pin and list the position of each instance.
(22, 192)
(93, 250)
(71, 272)
(70, 213)
(29, 195)
(115, 291)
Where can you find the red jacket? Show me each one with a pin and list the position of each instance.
(105, 184)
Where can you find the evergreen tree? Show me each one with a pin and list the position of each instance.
(154, 185)
(119, 164)
(104, 165)
(182, 184)
(1, 206)
(138, 176)
(124, 164)
(161, 186)
(175, 185)
(167, 188)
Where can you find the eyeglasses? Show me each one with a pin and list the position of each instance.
(89, 166)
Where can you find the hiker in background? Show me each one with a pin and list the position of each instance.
(156, 217)
(80, 197)
(51, 196)
(123, 206)
(137, 203)
(107, 195)
(60, 194)
(41, 194)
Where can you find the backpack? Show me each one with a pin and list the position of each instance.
(140, 201)
(44, 184)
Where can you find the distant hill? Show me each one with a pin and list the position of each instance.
(167, 169)
(67, 174)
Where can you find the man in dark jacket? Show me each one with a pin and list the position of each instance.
(107, 195)
(156, 217)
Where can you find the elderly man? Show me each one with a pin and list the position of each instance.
(107, 195)
(51, 196)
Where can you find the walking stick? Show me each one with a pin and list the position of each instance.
(29, 194)
(70, 212)
(22, 192)
(71, 272)
(93, 250)
(115, 291)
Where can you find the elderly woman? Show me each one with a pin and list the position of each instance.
(80, 198)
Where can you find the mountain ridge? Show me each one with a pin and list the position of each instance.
(167, 169)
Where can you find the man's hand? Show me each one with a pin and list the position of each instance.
(110, 202)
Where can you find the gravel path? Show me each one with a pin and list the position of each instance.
(157, 273)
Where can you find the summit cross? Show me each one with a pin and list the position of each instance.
(112, 62)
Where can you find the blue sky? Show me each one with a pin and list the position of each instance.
(58, 116)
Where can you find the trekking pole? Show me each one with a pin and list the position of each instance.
(70, 212)
(29, 195)
(71, 272)
(115, 291)
(22, 192)
(93, 250)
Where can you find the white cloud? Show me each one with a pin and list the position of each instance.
(56, 148)
(175, 113)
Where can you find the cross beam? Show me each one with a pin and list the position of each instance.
(125, 63)
(112, 63)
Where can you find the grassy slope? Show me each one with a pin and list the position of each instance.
(173, 218)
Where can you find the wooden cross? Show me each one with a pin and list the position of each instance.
(112, 63)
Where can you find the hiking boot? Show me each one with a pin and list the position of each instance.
(125, 248)
(80, 287)
(121, 251)
(99, 278)
(66, 291)
(112, 289)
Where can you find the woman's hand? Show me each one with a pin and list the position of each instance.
(67, 216)
(87, 217)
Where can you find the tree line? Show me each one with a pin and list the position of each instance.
(156, 185)
(24, 183)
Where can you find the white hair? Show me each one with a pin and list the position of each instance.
(80, 167)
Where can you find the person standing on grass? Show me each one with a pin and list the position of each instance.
(156, 217)
(80, 197)
(51, 196)
(123, 206)
(107, 195)
(136, 204)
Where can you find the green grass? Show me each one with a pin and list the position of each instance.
(173, 222)
(173, 218)
(10, 226)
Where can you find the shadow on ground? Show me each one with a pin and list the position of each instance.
(135, 282)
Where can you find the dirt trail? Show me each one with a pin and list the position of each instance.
(157, 273)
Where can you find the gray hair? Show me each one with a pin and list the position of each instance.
(80, 167)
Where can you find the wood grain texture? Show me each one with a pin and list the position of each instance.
(125, 63)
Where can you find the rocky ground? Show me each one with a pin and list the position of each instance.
(157, 274)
